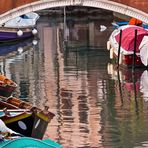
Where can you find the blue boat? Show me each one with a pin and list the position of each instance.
(119, 24)
(19, 28)
(11, 35)
(27, 142)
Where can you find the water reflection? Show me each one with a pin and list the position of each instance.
(133, 81)
(12, 49)
(95, 105)
(12, 55)
(144, 85)
(79, 64)
(130, 104)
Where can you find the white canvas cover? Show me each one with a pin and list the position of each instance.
(144, 85)
(144, 50)
(32, 15)
(29, 20)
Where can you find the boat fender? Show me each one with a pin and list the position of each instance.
(102, 28)
(20, 33)
(120, 59)
(111, 53)
(109, 68)
(34, 42)
(20, 50)
(108, 45)
(34, 31)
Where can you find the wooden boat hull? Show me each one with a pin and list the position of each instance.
(30, 125)
(6, 90)
(127, 61)
(26, 120)
(6, 36)
(7, 86)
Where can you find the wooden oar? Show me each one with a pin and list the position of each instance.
(16, 110)
(16, 102)
(24, 105)
(3, 98)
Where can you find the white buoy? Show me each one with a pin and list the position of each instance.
(34, 42)
(20, 33)
(34, 31)
(108, 68)
(102, 28)
(20, 50)
(111, 53)
(108, 45)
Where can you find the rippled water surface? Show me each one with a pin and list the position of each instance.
(95, 105)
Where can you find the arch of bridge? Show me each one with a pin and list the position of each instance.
(36, 5)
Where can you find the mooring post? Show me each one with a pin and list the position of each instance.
(119, 46)
(134, 55)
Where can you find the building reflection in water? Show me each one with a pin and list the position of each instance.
(48, 74)
(130, 104)
(94, 107)
(76, 80)
(14, 64)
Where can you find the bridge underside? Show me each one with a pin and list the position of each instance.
(17, 10)
(137, 4)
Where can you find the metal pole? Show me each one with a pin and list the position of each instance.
(64, 29)
(120, 87)
(64, 23)
(119, 47)
(135, 92)
(134, 55)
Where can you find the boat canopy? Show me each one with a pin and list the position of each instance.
(128, 37)
(144, 51)
(23, 21)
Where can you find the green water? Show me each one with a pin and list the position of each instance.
(95, 105)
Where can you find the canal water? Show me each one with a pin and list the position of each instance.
(68, 69)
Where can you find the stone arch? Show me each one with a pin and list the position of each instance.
(103, 4)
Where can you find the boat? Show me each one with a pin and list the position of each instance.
(117, 24)
(28, 142)
(19, 28)
(9, 138)
(24, 118)
(129, 53)
(7, 86)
